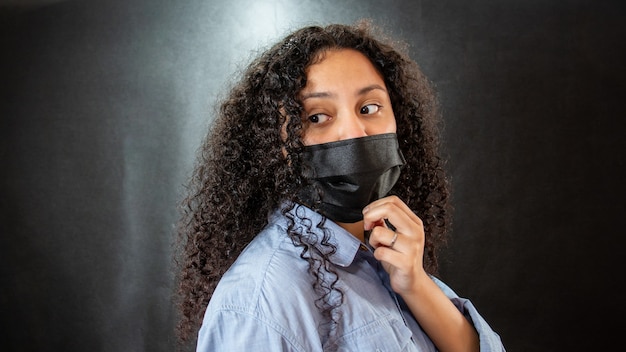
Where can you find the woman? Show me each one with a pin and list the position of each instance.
(319, 204)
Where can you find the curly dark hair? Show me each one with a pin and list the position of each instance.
(250, 163)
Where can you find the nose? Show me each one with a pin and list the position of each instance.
(351, 126)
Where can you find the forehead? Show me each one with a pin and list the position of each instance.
(341, 66)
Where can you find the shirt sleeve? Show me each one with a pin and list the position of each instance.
(489, 340)
(235, 331)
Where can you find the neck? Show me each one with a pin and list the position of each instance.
(355, 228)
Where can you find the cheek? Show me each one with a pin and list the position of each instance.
(389, 125)
(392, 125)
(312, 138)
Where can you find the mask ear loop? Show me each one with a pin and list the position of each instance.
(368, 233)
(389, 225)
(366, 236)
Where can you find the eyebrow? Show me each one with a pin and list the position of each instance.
(361, 91)
(371, 88)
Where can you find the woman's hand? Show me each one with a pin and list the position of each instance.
(400, 250)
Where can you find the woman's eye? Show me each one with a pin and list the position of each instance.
(370, 109)
(318, 118)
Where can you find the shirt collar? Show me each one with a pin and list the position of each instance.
(346, 245)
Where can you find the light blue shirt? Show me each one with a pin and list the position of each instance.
(265, 301)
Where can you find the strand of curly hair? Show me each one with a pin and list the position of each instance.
(250, 165)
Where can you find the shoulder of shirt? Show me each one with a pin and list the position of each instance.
(269, 286)
(270, 275)
(267, 267)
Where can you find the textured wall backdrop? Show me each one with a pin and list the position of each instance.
(103, 104)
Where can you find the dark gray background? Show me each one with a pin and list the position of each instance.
(103, 104)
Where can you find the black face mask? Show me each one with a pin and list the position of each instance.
(347, 175)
